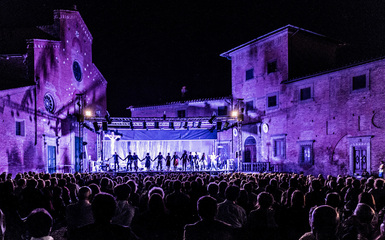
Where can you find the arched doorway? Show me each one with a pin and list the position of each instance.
(250, 150)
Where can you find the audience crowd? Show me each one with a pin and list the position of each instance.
(190, 206)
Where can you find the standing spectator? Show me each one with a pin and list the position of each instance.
(124, 210)
(79, 214)
(261, 223)
(324, 224)
(178, 203)
(103, 209)
(39, 224)
(230, 212)
(207, 228)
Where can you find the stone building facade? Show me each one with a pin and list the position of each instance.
(327, 121)
(46, 88)
(301, 111)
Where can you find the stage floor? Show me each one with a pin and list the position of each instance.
(154, 172)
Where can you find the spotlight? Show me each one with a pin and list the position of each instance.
(226, 126)
(219, 126)
(212, 119)
(104, 126)
(96, 126)
(108, 118)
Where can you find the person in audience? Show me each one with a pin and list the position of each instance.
(230, 212)
(261, 222)
(208, 228)
(324, 224)
(103, 209)
(39, 224)
(79, 214)
(124, 210)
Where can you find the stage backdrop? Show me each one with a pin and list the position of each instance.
(165, 141)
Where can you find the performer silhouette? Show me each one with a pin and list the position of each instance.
(202, 162)
(196, 161)
(148, 159)
(135, 159)
(116, 158)
(184, 160)
(191, 160)
(129, 161)
(159, 157)
(175, 161)
(168, 161)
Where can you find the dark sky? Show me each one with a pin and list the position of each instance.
(148, 50)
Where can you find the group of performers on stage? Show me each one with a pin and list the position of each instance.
(188, 161)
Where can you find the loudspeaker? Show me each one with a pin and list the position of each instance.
(104, 126)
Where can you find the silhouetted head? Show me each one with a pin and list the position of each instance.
(103, 207)
(207, 207)
(39, 223)
(333, 199)
(324, 222)
(232, 193)
(84, 193)
(265, 200)
(364, 213)
(122, 191)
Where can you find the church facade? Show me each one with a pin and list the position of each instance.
(47, 88)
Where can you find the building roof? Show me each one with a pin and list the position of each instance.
(181, 102)
(287, 27)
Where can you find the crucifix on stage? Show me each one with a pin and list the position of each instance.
(113, 138)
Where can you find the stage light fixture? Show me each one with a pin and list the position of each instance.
(226, 126)
(131, 125)
(185, 125)
(212, 119)
(104, 126)
(144, 125)
(164, 115)
(171, 125)
(156, 124)
(96, 126)
(199, 124)
(219, 126)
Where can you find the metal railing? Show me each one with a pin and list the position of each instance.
(261, 167)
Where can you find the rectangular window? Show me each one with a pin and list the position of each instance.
(306, 153)
(279, 147)
(20, 128)
(249, 74)
(222, 111)
(272, 101)
(272, 66)
(249, 105)
(181, 113)
(305, 93)
(359, 82)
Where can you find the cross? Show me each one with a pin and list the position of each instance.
(113, 138)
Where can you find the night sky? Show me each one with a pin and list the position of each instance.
(148, 50)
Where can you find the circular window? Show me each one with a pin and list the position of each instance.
(49, 103)
(77, 71)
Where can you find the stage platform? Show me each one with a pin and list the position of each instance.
(152, 173)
